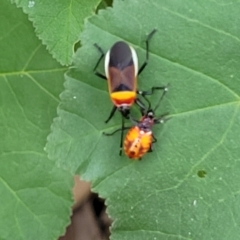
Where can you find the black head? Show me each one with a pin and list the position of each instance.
(150, 114)
(125, 111)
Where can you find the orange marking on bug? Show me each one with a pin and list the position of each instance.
(137, 142)
(126, 98)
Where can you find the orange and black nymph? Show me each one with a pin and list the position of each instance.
(139, 138)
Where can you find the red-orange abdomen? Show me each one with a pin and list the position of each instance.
(137, 142)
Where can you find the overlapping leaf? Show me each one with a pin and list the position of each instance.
(58, 23)
(188, 187)
(35, 195)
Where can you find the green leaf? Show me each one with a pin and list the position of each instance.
(187, 188)
(58, 23)
(35, 195)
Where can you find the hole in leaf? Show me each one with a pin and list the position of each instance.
(201, 173)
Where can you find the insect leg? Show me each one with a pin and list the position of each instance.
(99, 60)
(122, 132)
(141, 105)
(147, 51)
(112, 133)
(153, 141)
(143, 94)
(111, 113)
(150, 149)
(151, 91)
(121, 141)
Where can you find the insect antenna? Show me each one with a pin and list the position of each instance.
(161, 98)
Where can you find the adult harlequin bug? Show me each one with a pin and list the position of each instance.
(140, 138)
(121, 69)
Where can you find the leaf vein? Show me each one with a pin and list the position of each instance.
(42, 88)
